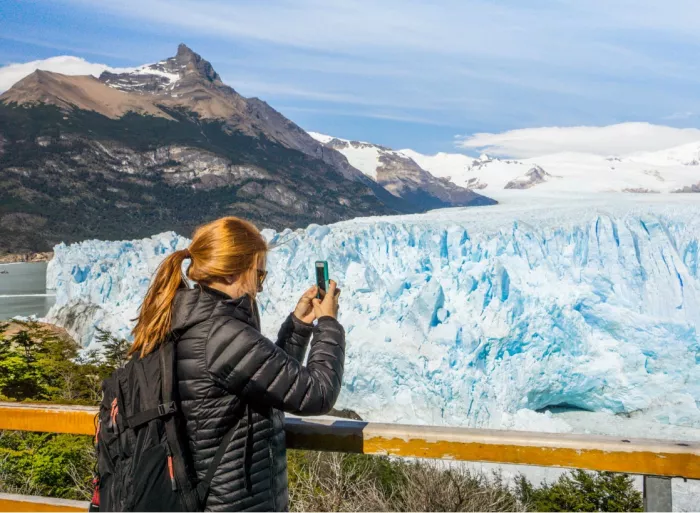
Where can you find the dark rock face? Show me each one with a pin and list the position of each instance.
(640, 190)
(290, 134)
(186, 57)
(78, 175)
(689, 188)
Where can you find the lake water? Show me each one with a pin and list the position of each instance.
(23, 290)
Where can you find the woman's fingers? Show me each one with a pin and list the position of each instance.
(332, 285)
(310, 292)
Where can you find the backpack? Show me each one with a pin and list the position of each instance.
(143, 460)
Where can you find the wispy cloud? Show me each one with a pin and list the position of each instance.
(355, 113)
(479, 64)
(620, 139)
(480, 28)
(681, 115)
(73, 49)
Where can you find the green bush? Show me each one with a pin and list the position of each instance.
(46, 464)
(39, 364)
(582, 491)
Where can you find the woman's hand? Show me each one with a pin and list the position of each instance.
(304, 310)
(328, 306)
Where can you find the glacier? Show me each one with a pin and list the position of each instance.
(522, 315)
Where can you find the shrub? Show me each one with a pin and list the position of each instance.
(582, 491)
(351, 482)
(46, 464)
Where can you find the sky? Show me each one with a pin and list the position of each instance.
(441, 75)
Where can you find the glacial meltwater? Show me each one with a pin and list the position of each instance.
(23, 290)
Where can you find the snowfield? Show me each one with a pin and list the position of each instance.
(661, 171)
(674, 169)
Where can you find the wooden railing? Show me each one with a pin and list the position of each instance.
(657, 460)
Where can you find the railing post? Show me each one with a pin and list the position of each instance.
(658, 493)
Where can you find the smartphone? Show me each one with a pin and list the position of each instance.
(321, 276)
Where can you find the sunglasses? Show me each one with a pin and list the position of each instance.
(261, 277)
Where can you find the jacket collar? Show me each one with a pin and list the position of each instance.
(201, 302)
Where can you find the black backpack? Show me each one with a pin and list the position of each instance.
(143, 461)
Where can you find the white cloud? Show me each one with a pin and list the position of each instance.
(621, 139)
(65, 64)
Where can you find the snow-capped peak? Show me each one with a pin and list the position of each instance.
(155, 77)
(164, 76)
(362, 155)
(323, 139)
(399, 174)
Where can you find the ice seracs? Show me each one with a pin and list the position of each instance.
(488, 316)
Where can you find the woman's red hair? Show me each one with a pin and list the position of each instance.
(227, 247)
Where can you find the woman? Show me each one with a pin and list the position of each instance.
(228, 373)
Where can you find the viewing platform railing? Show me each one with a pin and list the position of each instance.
(657, 460)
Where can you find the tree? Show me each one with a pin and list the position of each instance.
(115, 350)
(20, 376)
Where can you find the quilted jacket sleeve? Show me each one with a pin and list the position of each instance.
(294, 336)
(241, 360)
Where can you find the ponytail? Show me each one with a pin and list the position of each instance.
(222, 249)
(156, 311)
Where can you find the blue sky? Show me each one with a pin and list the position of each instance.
(404, 73)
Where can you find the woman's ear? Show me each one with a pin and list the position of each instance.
(230, 280)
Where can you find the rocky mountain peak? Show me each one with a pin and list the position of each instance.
(185, 69)
(185, 52)
(536, 175)
(187, 58)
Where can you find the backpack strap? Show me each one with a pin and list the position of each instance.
(205, 483)
(167, 358)
(143, 417)
(153, 410)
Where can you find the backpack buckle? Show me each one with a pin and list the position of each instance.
(166, 409)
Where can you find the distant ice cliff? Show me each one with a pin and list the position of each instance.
(478, 316)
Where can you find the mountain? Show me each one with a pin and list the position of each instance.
(401, 175)
(672, 170)
(165, 146)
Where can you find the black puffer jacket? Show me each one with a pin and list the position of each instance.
(230, 374)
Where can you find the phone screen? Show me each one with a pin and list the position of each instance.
(321, 275)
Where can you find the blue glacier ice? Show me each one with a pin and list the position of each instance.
(484, 317)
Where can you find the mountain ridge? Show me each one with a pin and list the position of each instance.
(672, 170)
(147, 89)
(166, 146)
(401, 175)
